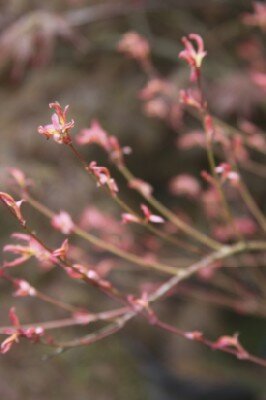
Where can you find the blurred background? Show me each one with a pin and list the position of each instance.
(66, 50)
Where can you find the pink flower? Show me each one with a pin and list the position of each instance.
(62, 251)
(8, 343)
(149, 217)
(127, 218)
(23, 288)
(134, 46)
(193, 55)
(13, 205)
(185, 185)
(59, 128)
(63, 222)
(32, 248)
(225, 342)
(190, 98)
(116, 152)
(32, 333)
(103, 177)
(96, 134)
(227, 174)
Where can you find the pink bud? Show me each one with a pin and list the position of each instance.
(127, 218)
(62, 251)
(63, 222)
(224, 342)
(134, 46)
(13, 205)
(23, 288)
(196, 335)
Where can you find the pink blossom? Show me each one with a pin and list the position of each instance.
(96, 134)
(185, 185)
(63, 222)
(116, 152)
(227, 174)
(190, 98)
(59, 128)
(103, 177)
(225, 342)
(32, 248)
(127, 218)
(8, 343)
(149, 217)
(62, 251)
(13, 205)
(32, 333)
(193, 55)
(23, 288)
(134, 46)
